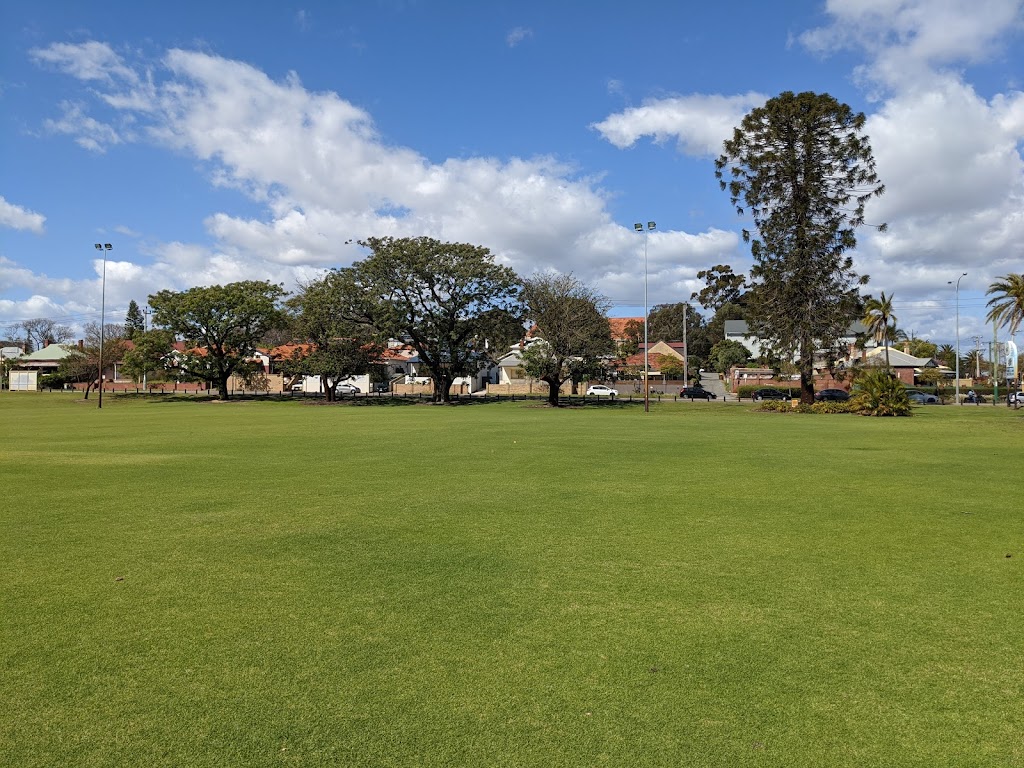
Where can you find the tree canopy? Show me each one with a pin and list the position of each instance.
(881, 321)
(222, 323)
(721, 286)
(802, 169)
(134, 322)
(38, 331)
(444, 297)
(1006, 307)
(337, 346)
(571, 321)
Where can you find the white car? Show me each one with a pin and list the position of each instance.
(347, 389)
(598, 390)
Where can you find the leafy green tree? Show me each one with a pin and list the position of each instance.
(727, 354)
(151, 352)
(1007, 302)
(337, 347)
(802, 169)
(880, 321)
(721, 286)
(671, 367)
(931, 377)
(134, 322)
(571, 320)
(441, 296)
(666, 324)
(223, 323)
(921, 347)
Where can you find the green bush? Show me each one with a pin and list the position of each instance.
(53, 380)
(878, 393)
(781, 406)
(831, 406)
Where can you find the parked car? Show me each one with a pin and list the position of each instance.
(837, 395)
(600, 390)
(917, 397)
(346, 389)
(695, 392)
(770, 394)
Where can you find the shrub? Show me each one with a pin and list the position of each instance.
(780, 406)
(831, 406)
(877, 393)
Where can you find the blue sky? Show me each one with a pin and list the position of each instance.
(222, 141)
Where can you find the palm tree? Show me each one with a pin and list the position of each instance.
(1007, 305)
(880, 320)
(946, 354)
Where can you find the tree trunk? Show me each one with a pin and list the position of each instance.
(328, 388)
(807, 373)
(222, 388)
(88, 386)
(442, 388)
(553, 391)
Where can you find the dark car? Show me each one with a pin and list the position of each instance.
(695, 392)
(917, 397)
(770, 394)
(838, 395)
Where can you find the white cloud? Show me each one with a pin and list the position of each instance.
(88, 132)
(91, 61)
(908, 40)
(699, 123)
(326, 177)
(16, 217)
(518, 35)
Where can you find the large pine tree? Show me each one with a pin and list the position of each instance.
(802, 169)
(134, 322)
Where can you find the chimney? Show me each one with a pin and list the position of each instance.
(81, 345)
(906, 347)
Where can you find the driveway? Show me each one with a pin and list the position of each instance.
(712, 383)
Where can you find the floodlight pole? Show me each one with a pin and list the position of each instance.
(950, 282)
(647, 387)
(102, 248)
(686, 350)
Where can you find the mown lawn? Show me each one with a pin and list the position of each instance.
(264, 584)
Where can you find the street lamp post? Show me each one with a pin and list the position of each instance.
(647, 387)
(950, 282)
(686, 350)
(102, 248)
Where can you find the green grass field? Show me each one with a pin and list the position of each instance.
(275, 584)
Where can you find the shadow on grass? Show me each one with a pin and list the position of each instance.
(374, 401)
